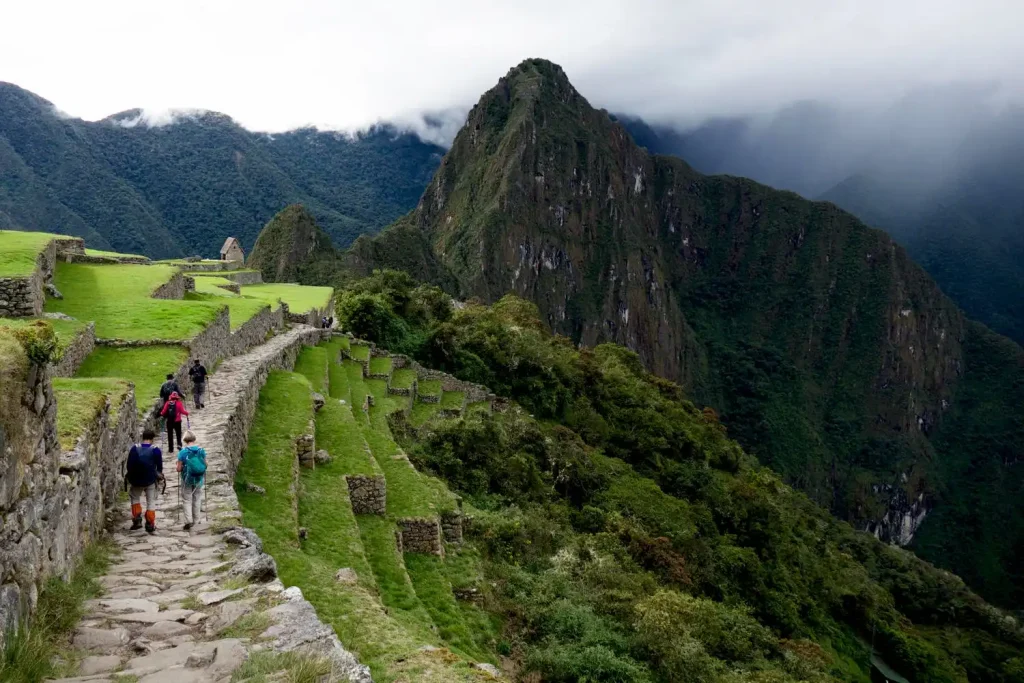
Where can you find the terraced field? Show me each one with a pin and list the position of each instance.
(383, 603)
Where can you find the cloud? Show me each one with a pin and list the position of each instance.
(156, 118)
(343, 66)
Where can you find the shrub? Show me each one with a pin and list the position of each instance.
(40, 342)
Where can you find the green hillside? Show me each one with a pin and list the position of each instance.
(830, 355)
(623, 537)
(179, 189)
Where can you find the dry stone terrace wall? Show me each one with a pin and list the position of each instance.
(89, 258)
(52, 504)
(174, 288)
(420, 535)
(314, 316)
(254, 331)
(368, 494)
(76, 352)
(23, 297)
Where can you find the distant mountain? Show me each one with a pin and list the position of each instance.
(828, 352)
(940, 172)
(176, 189)
(293, 248)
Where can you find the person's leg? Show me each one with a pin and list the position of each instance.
(135, 495)
(186, 503)
(151, 508)
(201, 396)
(170, 435)
(197, 496)
(177, 431)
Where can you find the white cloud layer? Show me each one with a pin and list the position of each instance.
(343, 65)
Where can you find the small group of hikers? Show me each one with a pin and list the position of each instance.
(173, 401)
(144, 468)
(144, 472)
(327, 323)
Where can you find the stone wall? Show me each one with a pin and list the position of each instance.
(420, 535)
(231, 287)
(368, 494)
(245, 277)
(52, 504)
(214, 343)
(211, 266)
(254, 331)
(69, 248)
(451, 526)
(473, 392)
(313, 317)
(23, 297)
(305, 447)
(172, 289)
(236, 428)
(75, 353)
(88, 258)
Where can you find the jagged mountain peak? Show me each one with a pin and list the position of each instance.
(289, 245)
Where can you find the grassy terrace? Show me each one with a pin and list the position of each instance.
(240, 309)
(380, 365)
(79, 401)
(429, 387)
(389, 641)
(359, 351)
(111, 254)
(144, 366)
(66, 330)
(18, 251)
(212, 285)
(300, 298)
(117, 298)
(403, 378)
(422, 412)
(453, 400)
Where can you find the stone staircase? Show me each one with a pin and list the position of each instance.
(193, 607)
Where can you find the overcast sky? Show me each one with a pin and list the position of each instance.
(278, 65)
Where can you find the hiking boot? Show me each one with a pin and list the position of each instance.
(136, 523)
(150, 528)
(187, 526)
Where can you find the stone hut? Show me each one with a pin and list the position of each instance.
(232, 250)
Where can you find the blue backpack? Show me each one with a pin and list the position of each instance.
(195, 465)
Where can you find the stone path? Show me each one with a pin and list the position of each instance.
(192, 607)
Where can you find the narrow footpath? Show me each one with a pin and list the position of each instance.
(194, 606)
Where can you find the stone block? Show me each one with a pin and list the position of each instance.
(421, 535)
(368, 494)
(451, 526)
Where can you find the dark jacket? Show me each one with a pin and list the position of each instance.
(167, 388)
(198, 375)
(145, 464)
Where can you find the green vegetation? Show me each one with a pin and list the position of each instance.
(626, 537)
(240, 308)
(40, 651)
(380, 365)
(422, 412)
(300, 298)
(66, 330)
(111, 254)
(144, 366)
(453, 400)
(297, 667)
(403, 378)
(389, 641)
(429, 387)
(19, 250)
(80, 400)
(117, 298)
(359, 351)
(213, 285)
(312, 363)
(171, 191)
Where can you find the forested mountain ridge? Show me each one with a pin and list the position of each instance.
(830, 354)
(940, 171)
(177, 189)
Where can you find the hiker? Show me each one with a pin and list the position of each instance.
(173, 410)
(168, 388)
(144, 469)
(330, 322)
(198, 375)
(192, 469)
(323, 322)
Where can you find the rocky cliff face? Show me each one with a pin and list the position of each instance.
(830, 354)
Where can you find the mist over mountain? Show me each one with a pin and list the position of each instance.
(940, 171)
(172, 185)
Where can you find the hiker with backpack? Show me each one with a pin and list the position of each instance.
(174, 410)
(143, 471)
(192, 471)
(198, 375)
